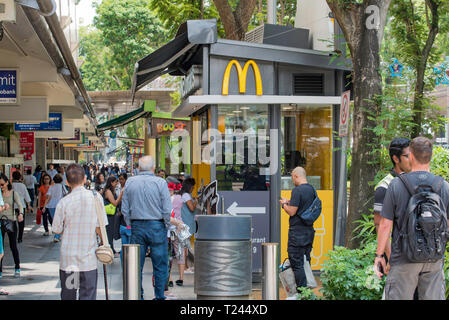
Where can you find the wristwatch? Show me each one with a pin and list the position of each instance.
(379, 256)
(282, 205)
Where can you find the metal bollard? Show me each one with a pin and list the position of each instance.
(131, 272)
(270, 271)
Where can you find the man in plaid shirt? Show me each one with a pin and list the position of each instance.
(76, 220)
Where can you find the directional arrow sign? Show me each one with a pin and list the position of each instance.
(234, 209)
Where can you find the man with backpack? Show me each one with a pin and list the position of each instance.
(415, 206)
(303, 208)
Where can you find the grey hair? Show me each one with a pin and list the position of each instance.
(146, 163)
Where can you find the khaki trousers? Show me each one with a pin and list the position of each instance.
(403, 279)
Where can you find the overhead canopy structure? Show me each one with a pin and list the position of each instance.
(124, 119)
(177, 55)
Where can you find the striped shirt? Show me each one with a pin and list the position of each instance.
(76, 219)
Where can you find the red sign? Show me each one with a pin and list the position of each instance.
(344, 114)
(27, 145)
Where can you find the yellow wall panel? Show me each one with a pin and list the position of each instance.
(324, 227)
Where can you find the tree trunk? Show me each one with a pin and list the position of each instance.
(363, 33)
(235, 22)
(418, 103)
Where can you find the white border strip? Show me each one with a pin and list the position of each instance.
(194, 103)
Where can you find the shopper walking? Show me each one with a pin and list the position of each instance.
(76, 219)
(10, 217)
(100, 183)
(43, 189)
(300, 234)
(55, 193)
(2, 208)
(125, 231)
(188, 212)
(146, 207)
(52, 171)
(21, 189)
(408, 267)
(111, 201)
(180, 250)
(30, 183)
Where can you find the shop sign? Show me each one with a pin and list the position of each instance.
(54, 124)
(27, 145)
(192, 81)
(209, 198)
(9, 86)
(344, 114)
(242, 76)
(163, 127)
(76, 136)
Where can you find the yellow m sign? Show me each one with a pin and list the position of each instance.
(242, 75)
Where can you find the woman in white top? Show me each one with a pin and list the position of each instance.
(55, 193)
(21, 189)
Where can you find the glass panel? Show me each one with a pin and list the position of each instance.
(307, 142)
(243, 149)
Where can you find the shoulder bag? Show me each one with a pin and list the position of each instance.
(104, 252)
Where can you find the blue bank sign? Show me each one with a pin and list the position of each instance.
(54, 124)
(9, 86)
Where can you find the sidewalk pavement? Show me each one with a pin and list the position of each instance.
(39, 280)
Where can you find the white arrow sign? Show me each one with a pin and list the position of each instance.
(234, 209)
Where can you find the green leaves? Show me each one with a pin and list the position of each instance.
(349, 275)
(126, 31)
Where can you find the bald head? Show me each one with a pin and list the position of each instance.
(146, 163)
(299, 176)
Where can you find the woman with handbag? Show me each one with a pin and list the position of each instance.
(9, 219)
(55, 193)
(188, 211)
(111, 201)
(43, 189)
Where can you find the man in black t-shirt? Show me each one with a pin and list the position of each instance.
(300, 235)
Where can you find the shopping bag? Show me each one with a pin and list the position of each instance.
(287, 278)
(311, 282)
(38, 216)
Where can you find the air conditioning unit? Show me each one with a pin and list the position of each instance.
(7, 11)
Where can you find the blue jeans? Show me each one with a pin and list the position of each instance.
(152, 234)
(52, 214)
(125, 235)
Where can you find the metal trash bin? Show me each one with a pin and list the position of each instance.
(223, 258)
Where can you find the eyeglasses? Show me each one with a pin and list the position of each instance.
(2, 185)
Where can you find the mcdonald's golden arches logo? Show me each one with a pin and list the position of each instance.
(242, 75)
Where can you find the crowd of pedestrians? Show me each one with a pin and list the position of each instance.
(143, 208)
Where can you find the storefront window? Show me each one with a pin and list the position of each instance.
(307, 142)
(243, 150)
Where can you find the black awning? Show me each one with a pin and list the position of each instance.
(174, 58)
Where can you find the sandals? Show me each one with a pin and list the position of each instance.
(17, 273)
(3, 292)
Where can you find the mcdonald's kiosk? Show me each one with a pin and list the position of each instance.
(260, 111)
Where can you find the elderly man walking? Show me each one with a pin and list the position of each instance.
(146, 207)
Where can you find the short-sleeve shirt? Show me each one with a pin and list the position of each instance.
(302, 197)
(395, 205)
(76, 218)
(186, 197)
(56, 192)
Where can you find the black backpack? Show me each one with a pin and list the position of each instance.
(424, 231)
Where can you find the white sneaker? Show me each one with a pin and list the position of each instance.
(46, 233)
(189, 271)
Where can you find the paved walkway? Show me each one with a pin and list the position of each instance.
(40, 272)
